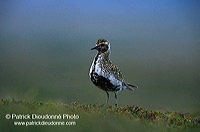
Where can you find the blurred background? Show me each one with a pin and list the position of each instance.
(45, 50)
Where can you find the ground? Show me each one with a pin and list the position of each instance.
(78, 117)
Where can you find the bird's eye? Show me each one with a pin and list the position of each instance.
(104, 47)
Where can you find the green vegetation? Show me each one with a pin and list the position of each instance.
(96, 117)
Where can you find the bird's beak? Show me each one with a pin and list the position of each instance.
(94, 48)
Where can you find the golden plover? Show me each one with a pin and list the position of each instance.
(104, 74)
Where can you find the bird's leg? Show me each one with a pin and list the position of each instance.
(107, 97)
(116, 97)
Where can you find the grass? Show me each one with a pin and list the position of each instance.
(95, 117)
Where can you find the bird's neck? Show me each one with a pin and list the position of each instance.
(103, 56)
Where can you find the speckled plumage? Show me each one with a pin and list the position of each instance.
(104, 74)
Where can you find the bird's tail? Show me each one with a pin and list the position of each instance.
(130, 86)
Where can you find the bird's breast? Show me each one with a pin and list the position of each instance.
(101, 75)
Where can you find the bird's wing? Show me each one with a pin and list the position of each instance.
(113, 70)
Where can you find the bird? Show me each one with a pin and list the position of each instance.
(104, 74)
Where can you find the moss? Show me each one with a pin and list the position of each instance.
(131, 114)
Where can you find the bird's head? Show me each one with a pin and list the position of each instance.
(102, 45)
